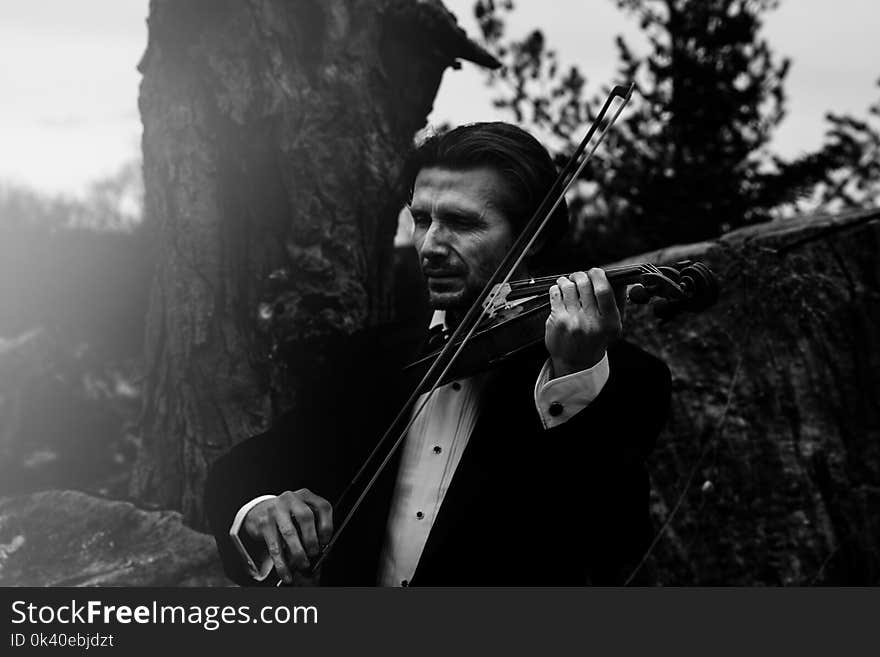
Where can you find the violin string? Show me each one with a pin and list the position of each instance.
(525, 287)
(472, 317)
(610, 272)
(542, 285)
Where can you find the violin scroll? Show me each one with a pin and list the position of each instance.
(684, 287)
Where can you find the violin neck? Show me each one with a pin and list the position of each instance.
(623, 275)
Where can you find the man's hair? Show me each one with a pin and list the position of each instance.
(520, 159)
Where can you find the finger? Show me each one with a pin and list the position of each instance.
(585, 291)
(569, 293)
(305, 522)
(273, 544)
(620, 299)
(323, 512)
(290, 536)
(556, 305)
(603, 293)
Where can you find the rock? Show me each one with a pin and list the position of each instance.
(776, 402)
(67, 538)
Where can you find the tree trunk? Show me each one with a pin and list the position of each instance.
(274, 133)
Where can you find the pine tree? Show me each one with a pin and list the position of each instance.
(690, 158)
(854, 144)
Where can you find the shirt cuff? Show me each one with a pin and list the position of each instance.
(266, 564)
(558, 400)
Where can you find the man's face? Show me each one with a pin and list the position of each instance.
(460, 231)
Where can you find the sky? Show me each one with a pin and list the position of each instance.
(69, 80)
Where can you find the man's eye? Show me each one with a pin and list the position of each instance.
(420, 219)
(463, 221)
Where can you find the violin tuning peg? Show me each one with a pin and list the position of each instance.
(671, 273)
(639, 294)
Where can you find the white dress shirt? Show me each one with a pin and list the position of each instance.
(431, 453)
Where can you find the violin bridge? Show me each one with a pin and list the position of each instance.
(497, 300)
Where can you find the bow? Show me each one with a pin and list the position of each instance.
(445, 359)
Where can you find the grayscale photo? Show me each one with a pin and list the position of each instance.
(436, 293)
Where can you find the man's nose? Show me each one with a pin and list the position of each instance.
(436, 242)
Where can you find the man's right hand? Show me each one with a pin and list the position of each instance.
(299, 521)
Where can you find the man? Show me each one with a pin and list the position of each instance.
(529, 474)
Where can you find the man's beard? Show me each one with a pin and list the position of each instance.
(451, 300)
(454, 302)
(458, 294)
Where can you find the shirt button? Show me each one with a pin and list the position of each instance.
(419, 515)
(456, 385)
(404, 583)
(437, 449)
(555, 409)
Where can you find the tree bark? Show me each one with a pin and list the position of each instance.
(274, 134)
(771, 459)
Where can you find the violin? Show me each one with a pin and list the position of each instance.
(509, 315)
(515, 312)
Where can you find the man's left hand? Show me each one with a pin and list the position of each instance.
(584, 319)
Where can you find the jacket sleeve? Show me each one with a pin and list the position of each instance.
(601, 453)
(627, 416)
(258, 466)
(317, 446)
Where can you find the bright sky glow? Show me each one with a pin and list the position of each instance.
(70, 84)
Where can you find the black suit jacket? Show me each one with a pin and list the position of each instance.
(526, 506)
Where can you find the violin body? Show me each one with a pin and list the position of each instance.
(510, 332)
(517, 313)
